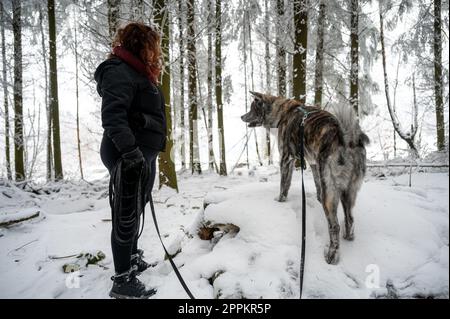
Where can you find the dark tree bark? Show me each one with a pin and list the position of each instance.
(438, 81)
(354, 54)
(49, 159)
(18, 91)
(167, 173)
(5, 95)
(300, 46)
(268, 75)
(193, 104)
(281, 52)
(181, 65)
(219, 103)
(54, 91)
(113, 17)
(318, 80)
(210, 84)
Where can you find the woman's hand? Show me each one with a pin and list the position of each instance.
(132, 159)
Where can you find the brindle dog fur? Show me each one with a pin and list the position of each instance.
(334, 148)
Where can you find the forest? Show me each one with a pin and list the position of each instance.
(387, 60)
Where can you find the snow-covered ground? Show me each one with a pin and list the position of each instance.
(401, 246)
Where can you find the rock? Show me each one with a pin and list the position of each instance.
(94, 259)
(84, 259)
(68, 268)
(208, 232)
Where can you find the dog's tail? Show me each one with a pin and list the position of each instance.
(353, 135)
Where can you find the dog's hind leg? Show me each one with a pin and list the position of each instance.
(286, 167)
(348, 201)
(330, 201)
(316, 177)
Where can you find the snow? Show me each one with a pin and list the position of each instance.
(22, 214)
(401, 234)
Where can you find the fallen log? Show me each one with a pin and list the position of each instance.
(427, 165)
(11, 219)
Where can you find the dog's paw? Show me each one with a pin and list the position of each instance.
(350, 236)
(332, 256)
(349, 232)
(281, 198)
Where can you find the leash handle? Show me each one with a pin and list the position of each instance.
(172, 263)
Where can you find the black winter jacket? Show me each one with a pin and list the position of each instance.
(132, 107)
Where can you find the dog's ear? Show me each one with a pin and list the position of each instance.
(258, 96)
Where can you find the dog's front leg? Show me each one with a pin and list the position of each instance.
(286, 169)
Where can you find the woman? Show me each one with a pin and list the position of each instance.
(134, 133)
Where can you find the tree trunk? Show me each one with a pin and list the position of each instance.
(167, 173)
(80, 161)
(410, 136)
(5, 95)
(219, 103)
(281, 53)
(54, 91)
(193, 107)
(394, 103)
(49, 154)
(173, 107)
(318, 80)
(18, 89)
(300, 47)
(354, 54)
(244, 33)
(113, 17)
(438, 81)
(209, 103)
(252, 76)
(268, 75)
(181, 65)
(34, 134)
(415, 110)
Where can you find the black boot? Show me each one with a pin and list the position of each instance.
(127, 286)
(138, 261)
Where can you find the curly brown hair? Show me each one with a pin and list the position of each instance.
(142, 41)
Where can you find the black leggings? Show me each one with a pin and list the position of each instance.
(109, 155)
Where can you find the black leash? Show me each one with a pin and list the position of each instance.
(175, 269)
(302, 168)
(125, 226)
(306, 113)
(115, 194)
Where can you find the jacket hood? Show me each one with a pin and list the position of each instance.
(98, 75)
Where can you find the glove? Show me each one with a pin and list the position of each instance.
(133, 159)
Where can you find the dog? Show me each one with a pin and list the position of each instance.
(334, 147)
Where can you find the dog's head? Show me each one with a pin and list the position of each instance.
(260, 109)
